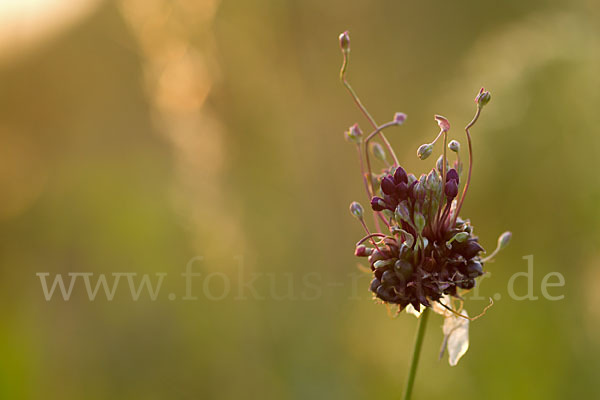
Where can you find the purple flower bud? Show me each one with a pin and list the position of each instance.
(403, 269)
(402, 190)
(363, 251)
(400, 175)
(411, 190)
(389, 278)
(390, 201)
(345, 41)
(452, 175)
(469, 249)
(377, 204)
(451, 189)
(474, 269)
(387, 186)
(375, 283)
(399, 118)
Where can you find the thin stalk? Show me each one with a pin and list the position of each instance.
(464, 193)
(378, 130)
(444, 162)
(362, 171)
(361, 107)
(416, 353)
(365, 181)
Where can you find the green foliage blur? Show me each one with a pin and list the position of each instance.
(145, 134)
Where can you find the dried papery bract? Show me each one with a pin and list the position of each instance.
(426, 256)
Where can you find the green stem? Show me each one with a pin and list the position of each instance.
(416, 353)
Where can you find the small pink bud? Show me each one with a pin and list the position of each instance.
(399, 118)
(483, 97)
(354, 134)
(345, 41)
(363, 251)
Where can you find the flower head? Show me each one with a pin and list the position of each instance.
(424, 254)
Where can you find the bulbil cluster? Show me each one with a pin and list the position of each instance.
(429, 251)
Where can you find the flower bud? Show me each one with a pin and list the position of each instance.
(376, 256)
(433, 180)
(383, 263)
(419, 222)
(443, 123)
(387, 186)
(377, 204)
(363, 251)
(460, 237)
(424, 151)
(470, 249)
(440, 163)
(354, 134)
(356, 209)
(402, 190)
(399, 118)
(403, 269)
(400, 175)
(504, 239)
(420, 189)
(451, 189)
(402, 212)
(474, 269)
(375, 283)
(483, 97)
(454, 145)
(410, 179)
(452, 175)
(345, 41)
(389, 278)
(378, 152)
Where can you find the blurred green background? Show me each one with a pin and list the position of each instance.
(138, 134)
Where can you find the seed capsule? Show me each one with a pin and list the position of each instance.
(504, 239)
(356, 209)
(454, 145)
(424, 151)
(378, 152)
(345, 41)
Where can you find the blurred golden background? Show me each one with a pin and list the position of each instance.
(136, 135)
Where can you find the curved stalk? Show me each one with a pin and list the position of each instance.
(361, 107)
(378, 130)
(464, 193)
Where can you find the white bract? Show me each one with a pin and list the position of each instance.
(455, 330)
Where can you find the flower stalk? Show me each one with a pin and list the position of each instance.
(414, 363)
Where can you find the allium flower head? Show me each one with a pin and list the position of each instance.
(422, 254)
